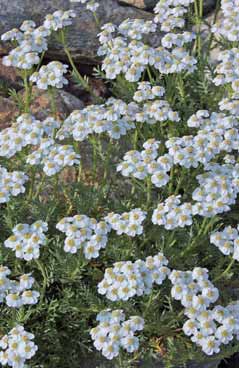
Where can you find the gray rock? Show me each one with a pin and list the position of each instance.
(141, 4)
(207, 363)
(150, 4)
(82, 35)
(212, 364)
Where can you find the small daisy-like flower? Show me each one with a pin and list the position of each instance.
(114, 332)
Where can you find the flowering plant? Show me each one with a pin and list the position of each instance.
(136, 257)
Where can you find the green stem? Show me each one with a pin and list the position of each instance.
(78, 76)
(97, 21)
(151, 298)
(135, 138)
(107, 162)
(41, 60)
(27, 92)
(39, 187)
(198, 8)
(52, 95)
(149, 190)
(225, 272)
(150, 75)
(44, 275)
(170, 189)
(30, 194)
(217, 9)
(94, 146)
(196, 238)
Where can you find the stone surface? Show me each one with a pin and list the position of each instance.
(209, 5)
(212, 364)
(150, 4)
(82, 35)
(41, 107)
(209, 364)
(8, 110)
(8, 79)
(141, 4)
(65, 104)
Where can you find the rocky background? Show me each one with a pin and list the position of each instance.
(82, 41)
(82, 37)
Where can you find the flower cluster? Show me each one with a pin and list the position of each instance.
(230, 104)
(25, 131)
(114, 118)
(227, 241)
(50, 75)
(170, 13)
(227, 26)
(155, 111)
(58, 20)
(91, 5)
(227, 70)
(217, 191)
(11, 184)
(84, 233)
(177, 39)
(217, 133)
(114, 332)
(32, 41)
(54, 157)
(145, 91)
(17, 347)
(136, 28)
(124, 52)
(129, 223)
(208, 328)
(127, 279)
(172, 214)
(26, 240)
(17, 293)
(142, 164)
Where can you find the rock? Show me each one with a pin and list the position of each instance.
(8, 111)
(82, 35)
(150, 4)
(209, 6)
(141, 4)
(65, 104)
(98, 87)
(8, 79)
(211, 364)
(40, 107)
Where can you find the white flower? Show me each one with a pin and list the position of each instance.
(92, 5)
(27, 240)
(127, 279)
(14, 300)
(210, 345)
(59, 19)
(113, 333)
(54, 157)
(18, 347)
(50, 75)
(172, 214)
(190, 327)
(84, 232)
(30, 297)
(224, 335)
